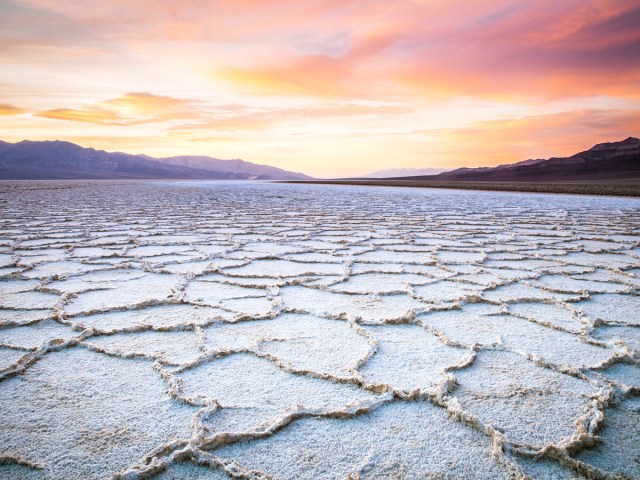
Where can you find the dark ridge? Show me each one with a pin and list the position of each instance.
(605, 161)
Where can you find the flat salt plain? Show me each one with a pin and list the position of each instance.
(244, 330)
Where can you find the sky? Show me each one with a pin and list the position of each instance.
(329, 88)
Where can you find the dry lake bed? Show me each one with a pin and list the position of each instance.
(244, 330)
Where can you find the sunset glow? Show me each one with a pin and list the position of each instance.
(328, 88)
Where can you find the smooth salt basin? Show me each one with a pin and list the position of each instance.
(203, 330)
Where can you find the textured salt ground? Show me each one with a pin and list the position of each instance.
(30, 336)
(189, 471)
(244, 380)
(271, 331)
(299, 340)
(549, 314)
(404, 440)
(163, 317)
(618, 452)
(533, 405)
(99, 416)
(408, 358)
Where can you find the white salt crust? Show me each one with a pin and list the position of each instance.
(222, 330)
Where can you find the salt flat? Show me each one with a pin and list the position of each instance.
(244, 330)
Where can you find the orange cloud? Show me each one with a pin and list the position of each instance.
(90, 114)
(6, 109)
(128, 109)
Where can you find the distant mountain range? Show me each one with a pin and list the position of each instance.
(605, 161)
(65, 160)
(404, 172)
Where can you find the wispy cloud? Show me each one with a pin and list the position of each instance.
(268, 118)
(128, 109)
(6, 109)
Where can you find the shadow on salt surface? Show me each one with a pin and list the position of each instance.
(200, 267)
(532, 405)
(532, 266)
(303, 341)
(565, 284)
(479, 277)
(453, 256)
(16, 286)
(9, 272)
(9, 356)
(272, 249)
(399, 440)
(379, 268)
(148, 289)
(389, 256)
(246, 381)
(189, 471)
(620, 309)
(162, 317)
(244, 301)
(151, 251)
(256, 307)
(604, 260)
(550, 314)
(28, 300)
(446, 291)
(31, 336)
(437, 272)
(22, 317)
(250, 282)
(92, 252)
(471, 326)
(619, 451)
(510, 274)
(314, 257)
(6, 260)
(172, 348)
(517, 292)
(213, 294)
(93, 415)
(20, 472)
(619, 335)
(164, 260)
(602, 275)
(98, 280)
(545, 469)
(380, 283)
(627, 375)
(61, 269)
(284, 268)
(408, 358)
(372, 308)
